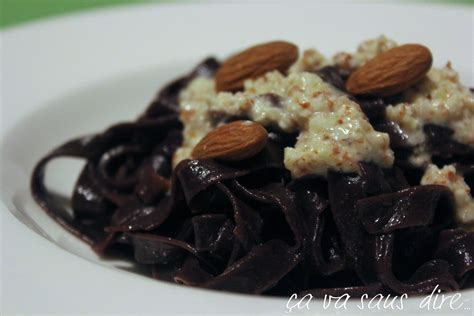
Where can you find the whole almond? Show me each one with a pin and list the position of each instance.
(234, 141)
(391, 72)
(254, 62)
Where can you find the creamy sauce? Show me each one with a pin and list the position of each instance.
(366, 51)
(310, 61)
(439, 99)
(448, 176)
(333, 131)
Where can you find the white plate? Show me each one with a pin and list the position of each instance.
(78, 74)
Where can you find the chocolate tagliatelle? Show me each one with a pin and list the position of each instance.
(250, 225)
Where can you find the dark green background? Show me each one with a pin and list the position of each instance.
(18, 11)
